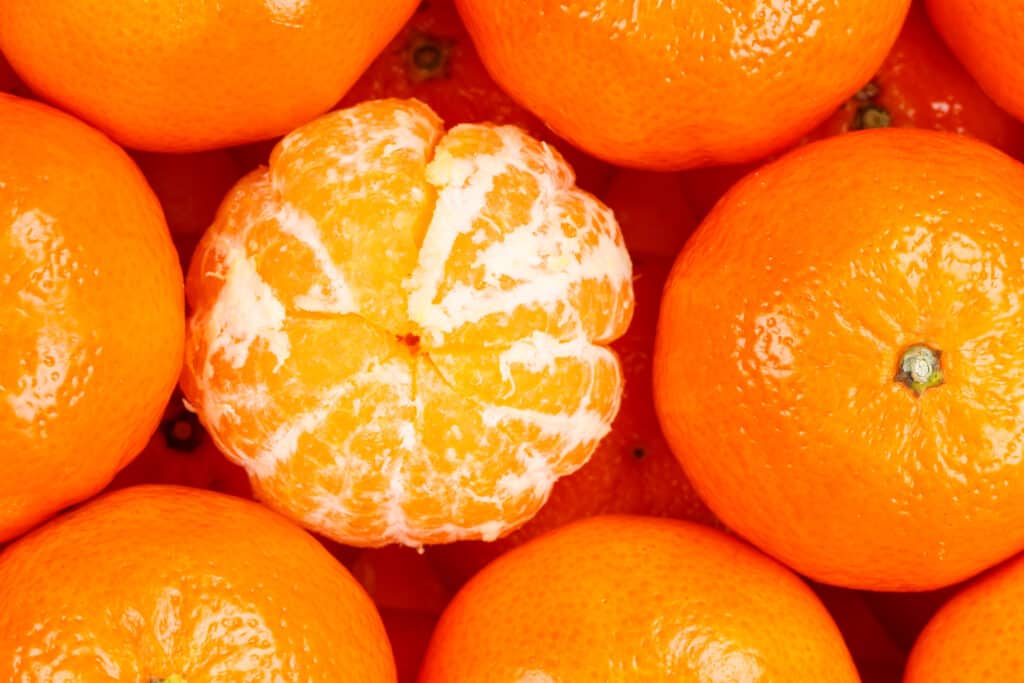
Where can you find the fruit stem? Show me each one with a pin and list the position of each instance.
(872, 116)
(429, 57)
(173, 678)
(920, 368)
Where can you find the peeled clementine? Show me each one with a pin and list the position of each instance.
(839, 363)
(400, 331)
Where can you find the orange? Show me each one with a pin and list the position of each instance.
(652, 211)
(188, 75)
(624, 598)
(400, 331)
(919, 85)
(190, 187)
(181, 452)
(161, 583)
(91, 312)
(666, 85)
(838, 363)
(433, 59)
(975, 636)
(988, 38)
(631, 472)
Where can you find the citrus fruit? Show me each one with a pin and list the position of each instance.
(622, 598)
(919, 85)
(173, 584)
(190, 188)
(399, 331)
(631, 472)
(839, 365)
(988, 38)
(671, 85)
(91, 312)
(975, 636)
(181, 452)
(433, 59)
(188, 75)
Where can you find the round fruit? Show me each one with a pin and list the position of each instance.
(161, 583)
(632, 471)
(637, 599)
(668, 85)
(988, 38)
(91, 312)
(187, 75)
(976, 636)
(399, 332)
(839, 363)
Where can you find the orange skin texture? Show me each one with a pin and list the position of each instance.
(975, 636)
(639, 599)
(153, 581)
(457, 86)
(988, 38)
(173, 76)
(652, 211)
(781, 330)
(91, 312)
(920, 84)
(678, 85)
(633, 470)
(180, 452)
(190, 187)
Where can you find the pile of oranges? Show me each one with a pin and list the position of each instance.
(527, 342)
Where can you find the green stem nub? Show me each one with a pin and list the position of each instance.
(871, 116)
(429, 57)
(920, 368)
(173, 678)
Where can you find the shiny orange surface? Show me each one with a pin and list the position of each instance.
(636, 599)
(188, 75)
(91, 312)
(781, 335)
(670, 85)
(161, 583)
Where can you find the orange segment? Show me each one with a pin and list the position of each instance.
(394, 329)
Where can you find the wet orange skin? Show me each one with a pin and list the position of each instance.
(780, 340)
(638, 599)
(433, 60)
(632, 472)
(154, 582)
(91, 312)
(919, 85)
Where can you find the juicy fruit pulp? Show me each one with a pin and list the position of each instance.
(399, 331)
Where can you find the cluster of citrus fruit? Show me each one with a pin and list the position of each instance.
(526, 342)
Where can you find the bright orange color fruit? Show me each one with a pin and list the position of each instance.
(838, 363)
(171, 584)
(400, 331)
(640, 599)
(976, 636)
(433, 60)
(632, 471)
(668, 85)
(988, 38)
(919, 85)
(181, 452)
(91, 312)
(188, 75)
(190, 187)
